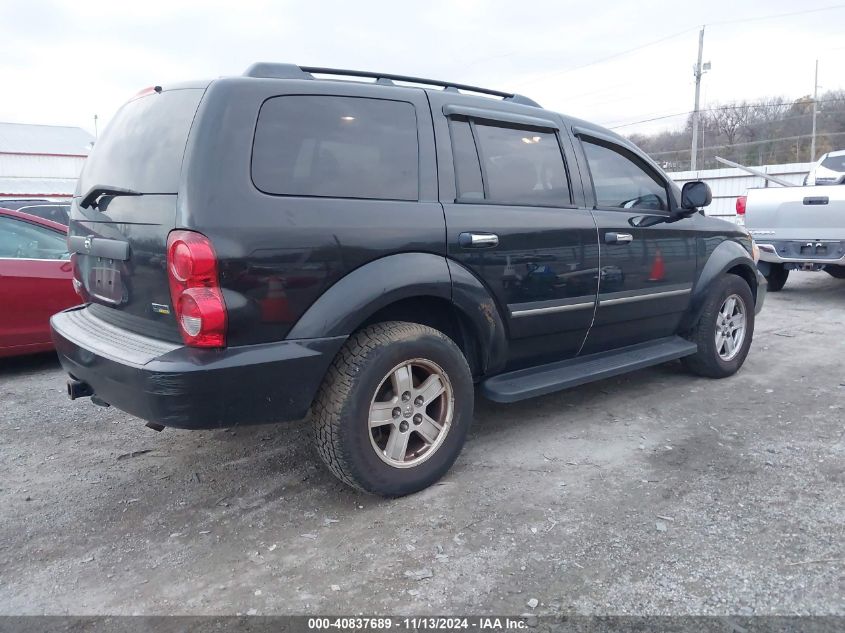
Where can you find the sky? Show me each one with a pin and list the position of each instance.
(611, 62)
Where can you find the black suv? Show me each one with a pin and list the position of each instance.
(254, 248)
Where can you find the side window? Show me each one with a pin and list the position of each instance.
(522, 166)
(22, 240)
(465, 157)
(621, 182)
(342, 147)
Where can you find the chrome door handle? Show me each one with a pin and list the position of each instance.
(618, 238)
(478, 240)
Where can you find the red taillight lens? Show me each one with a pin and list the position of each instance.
(740, 205)
(195, 289)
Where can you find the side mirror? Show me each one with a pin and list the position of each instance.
(695, 194)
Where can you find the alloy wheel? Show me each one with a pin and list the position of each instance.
(730, 327)
(411, 413)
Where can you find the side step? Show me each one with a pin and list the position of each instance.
(538, 381)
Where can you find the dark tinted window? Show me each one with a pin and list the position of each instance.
(56, 212)
(346, 147)
(522, 166)
(23, 240)
(621, 182)
(17, 204)
(465, 157)
(143, 146)
(836, 163)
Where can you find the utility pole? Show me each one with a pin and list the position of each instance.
(695, 114)
(815, 108)
(95, 127)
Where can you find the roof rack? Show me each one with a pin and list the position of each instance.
(268, 70)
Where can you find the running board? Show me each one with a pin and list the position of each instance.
(538, 381)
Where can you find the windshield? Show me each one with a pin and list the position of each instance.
(143, 146)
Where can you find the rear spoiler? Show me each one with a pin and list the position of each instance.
(755, 172)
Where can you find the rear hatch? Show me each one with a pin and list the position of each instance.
(125, 206)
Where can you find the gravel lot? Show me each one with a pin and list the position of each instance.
(652, 493)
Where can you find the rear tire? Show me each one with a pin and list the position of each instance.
(722, 348)
(835, 271)
(394, 409)
(777, 276)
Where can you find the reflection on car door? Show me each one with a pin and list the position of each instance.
(35, 281)
(511, 220)
(647, 264)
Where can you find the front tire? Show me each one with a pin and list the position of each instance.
(394, 409)
(835, 271)
(724, 330)
(777, 276)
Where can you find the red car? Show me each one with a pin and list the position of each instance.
(35, 281)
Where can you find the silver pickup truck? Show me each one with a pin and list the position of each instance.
(797, 228)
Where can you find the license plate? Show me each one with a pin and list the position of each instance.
(104, 281)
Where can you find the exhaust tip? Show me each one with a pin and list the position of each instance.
(78, 389)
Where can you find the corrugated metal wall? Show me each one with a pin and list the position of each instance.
(729, 183)
(25, 175)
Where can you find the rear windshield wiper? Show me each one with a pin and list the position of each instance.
(91, 198)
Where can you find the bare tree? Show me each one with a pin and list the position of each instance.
(730, 120)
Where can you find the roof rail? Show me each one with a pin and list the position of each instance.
(270, 70)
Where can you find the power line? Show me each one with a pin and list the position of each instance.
(744, 144)
(776, 15)
(679, 33)
(716, 109)
(605, 59)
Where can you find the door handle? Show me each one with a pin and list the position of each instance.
(478, 240)
(816, 200)
(618, 238)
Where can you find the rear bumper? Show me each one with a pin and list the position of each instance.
(190, 388)
(789, 253)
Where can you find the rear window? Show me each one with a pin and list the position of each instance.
(836, 163)
(143, 146)
(343, 147)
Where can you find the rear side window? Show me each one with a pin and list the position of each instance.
(621, 182)
(465, 157)
(343, 147)
(836, 163)
(143, 146)
(519, 166)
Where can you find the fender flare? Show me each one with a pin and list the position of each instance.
(343, 307)
(726, 256)
(474, 300)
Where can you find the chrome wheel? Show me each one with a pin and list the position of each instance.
(411, 413)
(730, 328)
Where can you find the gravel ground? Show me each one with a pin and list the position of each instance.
(654, 493)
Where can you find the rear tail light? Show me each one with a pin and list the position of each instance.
(740, 210)
(195, 289)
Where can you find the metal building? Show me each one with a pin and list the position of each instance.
(729, 182)
(41, 161)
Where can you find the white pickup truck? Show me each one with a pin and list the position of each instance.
(797, 228)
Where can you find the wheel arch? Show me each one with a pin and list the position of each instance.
(416, 287)
(728, 258)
